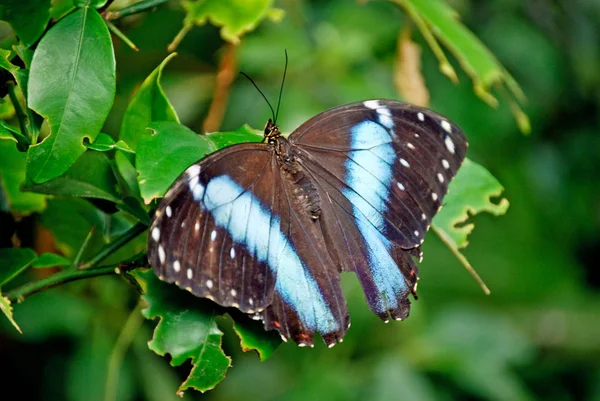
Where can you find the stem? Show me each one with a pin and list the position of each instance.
(113, 246)
(225, 78)
(126, 337)
(23, 138)
(133, 9)
(19, 294)
(121, 35)
(444, 237)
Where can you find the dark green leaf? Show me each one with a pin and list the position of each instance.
(90, 177)
(241, 135)
(148, 105)
(163, 156)
(60, 8)
(235, 17)
(28, 18)
(103, 143)
(128, 173)
(76, 101)
(12, 176)
(186, 330)
(50, 260)
(14, 262)
(254, 337)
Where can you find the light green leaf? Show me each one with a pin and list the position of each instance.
(8, 312)
(148, 105)
(186, 330)
(241, 135)
(90, 177)
(13, 262)
(468, 194)
(76, 101)
(235, 17)
(28, 18)
(103, 143)
(49, 259)
(12, 176)
(60, 8)
(164, 155)
(438, 21)
(254, 337)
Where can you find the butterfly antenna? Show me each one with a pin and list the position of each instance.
(282, 82)
(263, 95)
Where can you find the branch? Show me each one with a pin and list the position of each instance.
(134, 9)
(225, 77)
(24, 138)
(108, 249)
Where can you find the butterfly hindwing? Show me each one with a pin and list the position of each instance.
(384, 167)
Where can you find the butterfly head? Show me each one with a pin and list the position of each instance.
(271, 131)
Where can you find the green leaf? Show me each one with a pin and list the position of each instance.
(164, 155)
(8, 312)
(90, 177)
(49, 259)
(103, 143)
(60, 8)
(5, 62)
(235, 17)
(7, 131)
(186, 330)
(468, 194)
(241, 135)
(76, 101)
(148, 105)
(436, 19)
(12, 176)
(28, 18)
(14, 262)
(254, 337)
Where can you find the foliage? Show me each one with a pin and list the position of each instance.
(92, 134)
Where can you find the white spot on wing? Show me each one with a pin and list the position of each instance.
(176, 266)
(155, 233)
(416, 233)
(421, 116)
(446, 126)
(232, 253)
(250, 301)
(193, 171)
(372, 104)
(233, 292)
(404, 163)
(410, 146)
(169, 211)
(161, 254)
(402, 188)
(213, 235)
(440, 177)
(209, 284)
(449, 144)
(423, 216)
(434, 196)
(445, 164)
(197, 226)
(189, 274)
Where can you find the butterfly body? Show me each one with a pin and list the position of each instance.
(267, 228)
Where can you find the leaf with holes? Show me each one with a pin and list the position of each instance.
(235, 17)
(243, 134)
(436, 19)
(76, 101)
(149, 104)
(164, 155)
(186, 330)
(253, 336)
(468, 194)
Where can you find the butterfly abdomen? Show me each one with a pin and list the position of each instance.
(304, 189)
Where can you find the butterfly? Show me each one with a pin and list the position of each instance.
(268, 227)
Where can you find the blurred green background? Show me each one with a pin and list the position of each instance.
(537, 336)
